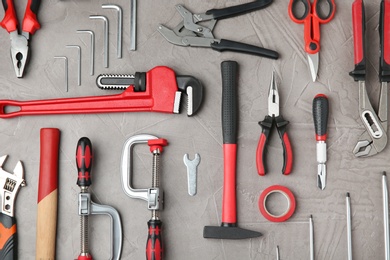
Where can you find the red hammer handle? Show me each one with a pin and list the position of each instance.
(229, 130)
(47, 194)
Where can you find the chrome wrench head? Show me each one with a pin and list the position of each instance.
(11, 182)
(192, 166)
(374, 139)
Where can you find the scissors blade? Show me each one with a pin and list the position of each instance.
(313, 60)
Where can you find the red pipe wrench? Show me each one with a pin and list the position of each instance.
(158, 90)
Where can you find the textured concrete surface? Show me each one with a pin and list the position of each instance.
(184, 216)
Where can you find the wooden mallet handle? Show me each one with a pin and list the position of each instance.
(47, 194)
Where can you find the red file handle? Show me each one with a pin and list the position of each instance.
(154, 247)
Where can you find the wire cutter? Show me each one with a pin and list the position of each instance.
(190, 33)
(312, 17)
(19, 42)
(374, 138)
(274, 118)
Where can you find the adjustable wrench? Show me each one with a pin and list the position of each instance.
(10, 182)
(158, 90)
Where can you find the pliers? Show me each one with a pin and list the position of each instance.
(374, 138)
(274, 118)
(190, 32)
(20, 42)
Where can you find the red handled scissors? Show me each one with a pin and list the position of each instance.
(312, 17)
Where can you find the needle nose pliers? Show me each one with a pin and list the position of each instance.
(19, 41)
(274, 118)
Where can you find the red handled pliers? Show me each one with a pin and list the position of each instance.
(19, 42)
(273, 118)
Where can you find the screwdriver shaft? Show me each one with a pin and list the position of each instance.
(349, 226)
(386, 215)
(311, 238)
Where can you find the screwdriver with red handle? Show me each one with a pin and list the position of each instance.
(320, 117)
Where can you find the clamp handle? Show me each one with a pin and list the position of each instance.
(84, 162)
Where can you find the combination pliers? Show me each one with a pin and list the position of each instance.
(374, 138)
(190, 32)
(20, 40)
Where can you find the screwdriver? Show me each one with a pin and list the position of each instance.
(320, 117)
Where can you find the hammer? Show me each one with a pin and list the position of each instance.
(228, 228)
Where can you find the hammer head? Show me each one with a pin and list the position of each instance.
(229, 232)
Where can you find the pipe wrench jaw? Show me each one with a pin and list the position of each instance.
(194, 90)
(11, 183)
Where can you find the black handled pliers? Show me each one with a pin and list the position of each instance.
(274, 119)
(19, 40)
(190, 33)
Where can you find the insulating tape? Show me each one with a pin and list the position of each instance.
(290, 201)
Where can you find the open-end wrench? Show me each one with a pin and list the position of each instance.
(192, 167)
(158, 90)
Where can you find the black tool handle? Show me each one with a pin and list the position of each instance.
(227, 45)
(229, 70)
(384, 31)
(84, 162)
(9, 240)
(359, 29)
(320, 116)
(238, 9)
(154, 247)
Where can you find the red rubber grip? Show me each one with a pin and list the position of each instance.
(154, 247)
(88, 257)
(358, 30)
(48, 167)
(10, 21)
(30, 21)
(260, 155)
(229, 214)
(287, 154)
(386, 32)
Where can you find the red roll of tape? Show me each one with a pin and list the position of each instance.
(290, 199)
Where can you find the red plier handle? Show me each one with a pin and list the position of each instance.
(267, 125)
(312, 17)
(30, 21)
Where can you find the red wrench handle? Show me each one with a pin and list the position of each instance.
(30, 20)
(10, 21)
(159, 96)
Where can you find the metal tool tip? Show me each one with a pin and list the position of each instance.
(348, 194)
(311, 216)
(384, 173)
